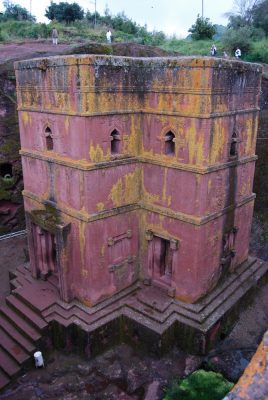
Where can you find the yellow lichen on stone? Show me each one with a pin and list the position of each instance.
(218, 141)
(96, 154)
(81, 189)
(127, 189)
(67, 123)
(116, 194)
(195, 145)
(209, 185)
(147, 197)
(134, 137)
(100, 206)
(166, 199)
(102, 252)
(26, 118)
(250, 133)
(82, 243)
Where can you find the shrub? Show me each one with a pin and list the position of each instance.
(3, 36)
(259, 52)
(24, 29)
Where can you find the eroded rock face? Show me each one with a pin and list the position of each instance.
(11, 183)
(261, 172)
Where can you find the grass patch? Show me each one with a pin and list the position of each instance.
(192, 47)
(201, 385)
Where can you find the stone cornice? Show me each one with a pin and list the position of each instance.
(141, 112)
(86, 217)
(84, 165)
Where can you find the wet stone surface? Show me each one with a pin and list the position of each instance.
(117, 374)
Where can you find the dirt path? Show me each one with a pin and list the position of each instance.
(19, 51)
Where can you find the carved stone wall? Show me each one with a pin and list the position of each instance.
(183, 168)
(261, 173)
(11, 184)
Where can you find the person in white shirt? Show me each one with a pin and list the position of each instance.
(109, 36)
(238, 53)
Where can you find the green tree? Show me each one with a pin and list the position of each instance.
(242, 14)
(64, 12)
(122, 23)
(202, 29)
(16, 12)
(241, 38)
(260, 16)
(90, 17)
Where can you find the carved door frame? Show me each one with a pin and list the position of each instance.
(42, 219)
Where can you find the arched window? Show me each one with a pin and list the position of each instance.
(169, 143)
(6, 170)
(115, 142)
(49, 139)
(233, 146)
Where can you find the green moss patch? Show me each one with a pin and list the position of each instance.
(201, 385)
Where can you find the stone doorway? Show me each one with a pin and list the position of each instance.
(45, 245)
(47, 240)
(161, 258)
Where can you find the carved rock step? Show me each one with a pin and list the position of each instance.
(4, 379)
(26, 311)
(20, 327)
(8, 364)
(12, 331)
(12, 348)
(19, 323)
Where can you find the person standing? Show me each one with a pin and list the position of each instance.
(238, 53)
(55, 36)
(109, 36)
(213, 50)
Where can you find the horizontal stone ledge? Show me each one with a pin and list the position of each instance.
(202, 91)
(128, 159)
(141, 112)
(183, 62)
(140, 205)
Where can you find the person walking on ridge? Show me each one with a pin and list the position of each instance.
(55, 36)
(109, 36)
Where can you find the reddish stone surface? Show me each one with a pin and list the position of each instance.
(102, 219)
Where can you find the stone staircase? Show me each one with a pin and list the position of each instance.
(21, 329)
(34, 304)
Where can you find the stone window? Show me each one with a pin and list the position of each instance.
(170, 144)
(6, 170)
(115, 142)
(233, 146)
(49, 139)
